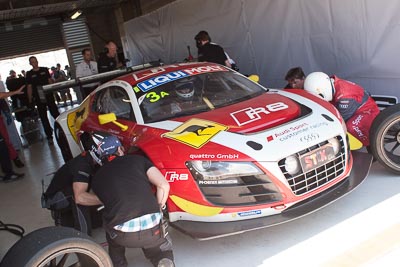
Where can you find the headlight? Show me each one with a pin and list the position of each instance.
(218, 170)
(292, 165)
(335, 145)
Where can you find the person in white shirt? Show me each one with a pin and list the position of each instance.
(86, 68)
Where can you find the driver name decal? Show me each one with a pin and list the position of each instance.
(195, 132)
(248, 115)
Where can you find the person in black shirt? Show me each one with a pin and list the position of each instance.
(132, 213)
(41, 76)
(295, 78)
(73, 179)
(210, 52)
(108, 60)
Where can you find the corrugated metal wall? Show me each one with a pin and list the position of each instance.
(30, 36)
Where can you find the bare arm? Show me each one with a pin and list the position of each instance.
(29, 92)
(16, 92)
(157, 179)
(228, 64)
(82, 197)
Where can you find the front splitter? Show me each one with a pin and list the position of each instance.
(210, 230)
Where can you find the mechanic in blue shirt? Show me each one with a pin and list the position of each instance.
(132, 212)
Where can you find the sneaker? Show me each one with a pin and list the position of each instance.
(12, 177)
(165, 262)
(18, 163)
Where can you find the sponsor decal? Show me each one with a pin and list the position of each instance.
(249, 213)
(159, 80)
(309, 137)
(195, 132)
(76, 118)
(212, 156)
(171, 76)
(250, 114)
(355, 125)
(204, 69)
(218, 182)
(173, 176)
(317, 158)
(294, 131)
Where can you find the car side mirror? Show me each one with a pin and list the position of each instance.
(255, 78)
(110, 117)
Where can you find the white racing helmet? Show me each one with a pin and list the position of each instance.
(319, 84)
(185, 89)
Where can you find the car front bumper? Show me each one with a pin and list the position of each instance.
(210, 230)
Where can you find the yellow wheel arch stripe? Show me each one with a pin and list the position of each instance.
(195, 209)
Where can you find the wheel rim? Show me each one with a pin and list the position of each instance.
(390, 144)
(72, 257)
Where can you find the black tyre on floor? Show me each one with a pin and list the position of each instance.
(56, 247)
(62, 143)
(385, 138)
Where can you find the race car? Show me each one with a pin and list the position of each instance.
(238, 156)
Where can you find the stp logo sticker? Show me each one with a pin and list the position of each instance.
(75, 119)
(195, 132)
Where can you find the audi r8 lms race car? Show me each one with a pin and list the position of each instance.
(238, 156)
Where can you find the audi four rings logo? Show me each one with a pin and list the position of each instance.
(309, 137)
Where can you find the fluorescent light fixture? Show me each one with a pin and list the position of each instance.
(76, 14)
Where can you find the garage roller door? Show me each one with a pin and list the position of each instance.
(30, 36)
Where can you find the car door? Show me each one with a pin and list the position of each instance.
(112, 99)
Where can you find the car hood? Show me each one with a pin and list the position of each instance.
(256, 114)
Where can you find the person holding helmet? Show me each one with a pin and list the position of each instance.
(132, 214)
(69, 195)
(356, 106)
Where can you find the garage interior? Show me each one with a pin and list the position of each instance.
(361, 229)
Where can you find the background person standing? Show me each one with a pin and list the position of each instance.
(86, 68)
(41, 76)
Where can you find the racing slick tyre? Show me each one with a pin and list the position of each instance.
(62, 143)
(385, 138)
(56, 247)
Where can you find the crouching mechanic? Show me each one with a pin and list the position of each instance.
(71, 185)
(132, 211)
(356, 106)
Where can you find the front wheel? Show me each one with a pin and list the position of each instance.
(385, 138)
(56, 247)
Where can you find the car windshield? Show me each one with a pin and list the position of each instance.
(196, 94)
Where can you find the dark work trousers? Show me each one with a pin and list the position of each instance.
(81, 214)
(153, 245)
(5, 161)
(42, 109)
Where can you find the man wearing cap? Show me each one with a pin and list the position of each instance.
(132, 212)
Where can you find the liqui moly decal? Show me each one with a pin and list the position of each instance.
(159, 80)
(203, 69)
(172, 76)
(250, 114)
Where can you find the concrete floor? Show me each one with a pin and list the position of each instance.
(361, 229)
